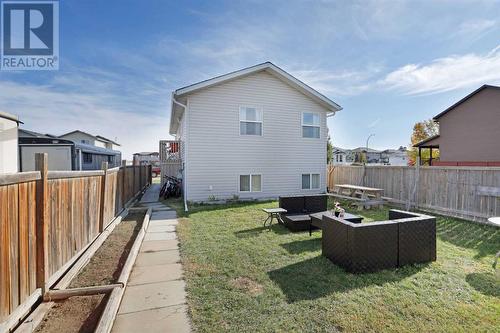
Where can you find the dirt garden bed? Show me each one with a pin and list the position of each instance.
(81, 313)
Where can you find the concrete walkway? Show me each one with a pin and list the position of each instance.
(155, 297)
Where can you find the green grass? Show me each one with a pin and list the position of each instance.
(242, 277)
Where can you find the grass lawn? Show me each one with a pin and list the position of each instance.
(242, 277)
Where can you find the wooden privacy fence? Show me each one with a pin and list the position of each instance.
(48, 218)
(472, 193)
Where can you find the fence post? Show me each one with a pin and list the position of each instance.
(417, 184)
(150, 174)
(124, 186)
(102, 203)
(134, 175)
(42, 221)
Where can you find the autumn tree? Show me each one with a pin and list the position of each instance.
(422, 131)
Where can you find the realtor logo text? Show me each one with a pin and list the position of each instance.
(29, 35)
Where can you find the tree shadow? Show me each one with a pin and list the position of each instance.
(486, 283)
(484, 239)
(318, 277)
(308, 245)
(254, 232)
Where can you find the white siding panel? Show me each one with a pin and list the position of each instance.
(218, 154)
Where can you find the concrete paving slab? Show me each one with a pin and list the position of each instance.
(163, 222)
(168, 319)
(155, 273)
(160, 236)
(157, 258)
(151, 194)
(161, 228)
(153, 296)
(160, 245)
(163, 215)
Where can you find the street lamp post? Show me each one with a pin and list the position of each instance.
(368, 139)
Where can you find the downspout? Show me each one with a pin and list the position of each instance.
(185, 152)
(328, 115)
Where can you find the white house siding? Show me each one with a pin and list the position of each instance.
(8, 146)
(217, 154)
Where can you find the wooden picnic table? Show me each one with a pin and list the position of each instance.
(363, 190)
(368, 196)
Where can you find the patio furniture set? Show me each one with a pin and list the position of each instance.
(405, 238)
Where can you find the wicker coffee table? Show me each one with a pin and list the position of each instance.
(317, 219)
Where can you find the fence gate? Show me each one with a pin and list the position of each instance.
(171, 153)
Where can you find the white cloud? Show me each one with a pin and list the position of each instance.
(345, 83)
(446, 74)
(476, 28)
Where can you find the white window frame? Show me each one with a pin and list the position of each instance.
(261, 122)
(251, 176)
(310, 181)
(307, 125)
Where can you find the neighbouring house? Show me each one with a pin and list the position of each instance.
(73, 151)
(8, 142)
(78, 136)
(339, 156)
(148, 158)
(394, 157)
(469, 131)
(254, 133)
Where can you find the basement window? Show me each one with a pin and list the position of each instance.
(250, 183)
(250, 121)
(310, 181)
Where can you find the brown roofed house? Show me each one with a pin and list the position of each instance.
(469, 131)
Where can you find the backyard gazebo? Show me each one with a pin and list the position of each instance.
(429, 143)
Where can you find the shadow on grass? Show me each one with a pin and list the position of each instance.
(308, 245)
(486, 283)
(254, 232)
(318, 277)
(482, 238)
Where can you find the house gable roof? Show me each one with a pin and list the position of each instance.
(432, 141)
(176, 111)
(95, 137)
(101, 138)
(9, 116)
(486, 86)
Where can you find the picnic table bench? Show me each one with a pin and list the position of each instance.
(364, 197)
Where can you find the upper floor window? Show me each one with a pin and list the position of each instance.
(310, 125)
(86, 142)
(250, 121)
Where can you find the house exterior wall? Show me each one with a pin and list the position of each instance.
(216, 153)
(8, 146)
(471, 131)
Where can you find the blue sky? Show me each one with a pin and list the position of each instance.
(388, 63)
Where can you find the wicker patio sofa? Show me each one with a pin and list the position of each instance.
(406, 238)
(298, 209)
